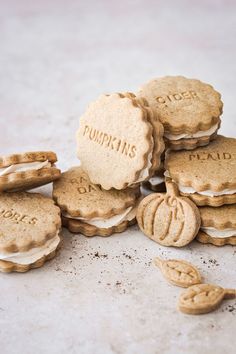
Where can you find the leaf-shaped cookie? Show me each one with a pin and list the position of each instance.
(203, 298)
(179, 272)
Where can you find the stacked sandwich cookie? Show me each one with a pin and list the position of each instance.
(29, 222)
(29, 230)
(207, 175)
(189, 111)
(88, 209)
(27, 170)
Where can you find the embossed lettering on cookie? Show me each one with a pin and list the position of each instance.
(188, 108)
(206, 175)
(27, 170)
(29, 231)
(120, 141)
(88, 209)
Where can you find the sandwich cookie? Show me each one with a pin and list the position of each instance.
(88, 209)
(29, 231)
(189, 110)
(218, 225)
(207, 175)
(27, 170)
(157, 182)
(120, 141)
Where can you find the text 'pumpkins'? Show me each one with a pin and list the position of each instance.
(169, 219)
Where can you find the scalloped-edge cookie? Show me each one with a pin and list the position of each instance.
(29, 230)
(207, 174)
(120, 141)
(88, 209)
(188, 108)
(218, 225)
(27, 170)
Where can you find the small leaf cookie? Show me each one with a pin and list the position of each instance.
(169, 219)
(203, 298)
(179, 272)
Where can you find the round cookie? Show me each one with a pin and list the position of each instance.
(29, 231)
(188, 108)
(206, 175)
(120, 141)
(27, 170)
(218, 225)
(169, 219)
(88, 209)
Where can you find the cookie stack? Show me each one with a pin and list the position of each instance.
(201, 163)
(29, 222)
(207, 175)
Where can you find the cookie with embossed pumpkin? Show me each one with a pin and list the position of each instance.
(189, 109)
(89, 209)
(207, 175)
(168, 218)
(29, 231)
(119, 141)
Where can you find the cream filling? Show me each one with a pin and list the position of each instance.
(198, 134)
(32, 255)
(22, 167)
(128, 215)
(156, 180)
(208, 192)
(211, 231)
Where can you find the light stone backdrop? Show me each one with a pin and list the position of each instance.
(103, 295)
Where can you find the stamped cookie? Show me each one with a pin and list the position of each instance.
(120, 141)
(88, 209)
(157, 182)
(218, 225)
(169, 219)
(27, 170)
(203, 298)
(207, 175)
(189, 110)
(178, 272)
(29, 231)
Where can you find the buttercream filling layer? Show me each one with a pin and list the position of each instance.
(128, 215)
(32, 255)
(213, 232)
(156, 180)
(199, 134)
(22, 167)
(207, 193)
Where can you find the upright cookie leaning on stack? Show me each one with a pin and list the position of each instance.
(189, 110)
(120, 141)
(27, 170)
(91, 210)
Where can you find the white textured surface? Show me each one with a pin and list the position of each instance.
(55, 57)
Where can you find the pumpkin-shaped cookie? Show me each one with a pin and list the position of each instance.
(169, 219)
